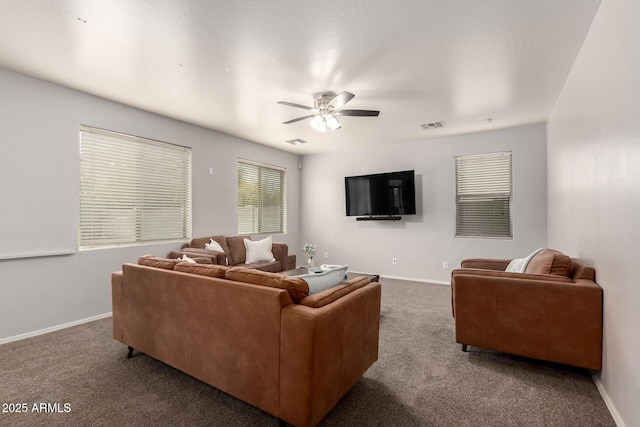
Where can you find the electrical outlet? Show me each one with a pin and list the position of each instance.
(326, 255)
(445, 265)
(394, 261)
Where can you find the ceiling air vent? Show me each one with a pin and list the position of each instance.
(433, 125)
(296, 141)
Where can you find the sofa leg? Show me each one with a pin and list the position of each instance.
(130, 353)
(464, 347)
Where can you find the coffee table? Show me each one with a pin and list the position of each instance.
(304, 270)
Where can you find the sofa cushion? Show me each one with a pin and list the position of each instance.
(237, 252)
(550, 261)
(154, 261)
(330, 295)
(319, 282)
(540, 263)
(199, 242)
(259, 250)
(582, 271)
(210, 270)
(295, 288)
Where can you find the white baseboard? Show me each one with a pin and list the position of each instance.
(607, 400)
(53, 328)
(413, 279)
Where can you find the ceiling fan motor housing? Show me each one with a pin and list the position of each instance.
(322, 100)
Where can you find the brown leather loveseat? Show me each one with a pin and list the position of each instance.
(234, 253)
(551, 311)
(255, 335)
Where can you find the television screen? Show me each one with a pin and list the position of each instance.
(381, 194)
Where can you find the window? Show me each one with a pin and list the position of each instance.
(484, 196)
(132, 190)
(261, 198)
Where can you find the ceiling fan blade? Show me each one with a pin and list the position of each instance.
(291, 104)
(340, 100)
(298, 119)
(361, 113)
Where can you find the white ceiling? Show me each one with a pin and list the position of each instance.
(224, 64)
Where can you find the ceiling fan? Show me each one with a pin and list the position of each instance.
(326, 106)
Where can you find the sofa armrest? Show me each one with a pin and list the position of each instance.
(281, 254)
(485, 263)
(325, 351)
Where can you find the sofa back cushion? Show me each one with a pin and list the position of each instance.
(296, 288)
(210, 270)
(154, 261)
(549, 261)
(582, 271)
(199, 242)
(237, 252)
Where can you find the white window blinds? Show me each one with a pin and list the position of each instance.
(132, 190)
(262, 203)
(484, 195)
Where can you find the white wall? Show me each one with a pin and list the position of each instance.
(594, 188)
(422, 242)
(39, 293)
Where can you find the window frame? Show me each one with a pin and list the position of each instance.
(256, 222)
(483, 194)
(133, 190)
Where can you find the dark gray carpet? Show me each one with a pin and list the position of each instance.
(421, 379)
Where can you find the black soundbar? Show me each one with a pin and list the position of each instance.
(378, 218)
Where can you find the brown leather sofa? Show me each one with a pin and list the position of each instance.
(255, 335)
(552, 311)
(235, 254)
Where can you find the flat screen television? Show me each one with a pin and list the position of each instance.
(382, 194)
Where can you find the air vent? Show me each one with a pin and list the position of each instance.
(433, 125)
(296, 141)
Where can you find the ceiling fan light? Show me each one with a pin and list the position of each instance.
(332, 122)
(319, 124)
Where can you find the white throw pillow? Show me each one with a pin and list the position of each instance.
(327, 279)
(259, 251)
(519, 265)
(186, 258)
(213, 246)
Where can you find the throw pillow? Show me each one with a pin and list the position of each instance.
(319, 282)
(540, 263)
(550, 261)
(259, 251)
(213, 246)
(519, 265)
(187, 259)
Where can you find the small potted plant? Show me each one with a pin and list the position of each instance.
(310, 250)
